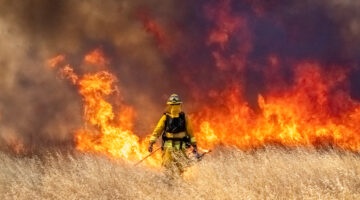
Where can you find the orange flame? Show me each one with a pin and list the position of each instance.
(115, 140)
(53, 62)
(68, 72)
(96, 58)
(104, 131)
(302, 116)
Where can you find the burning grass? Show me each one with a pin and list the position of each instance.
(226, 173)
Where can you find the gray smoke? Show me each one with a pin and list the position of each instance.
(346, 14)
(40, 109)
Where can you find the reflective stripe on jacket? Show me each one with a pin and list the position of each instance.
(161, 126)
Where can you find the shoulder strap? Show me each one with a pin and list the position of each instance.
(182, 115)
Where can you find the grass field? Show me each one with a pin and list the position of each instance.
(226, 173)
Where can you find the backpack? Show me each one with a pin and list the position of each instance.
(175, 125)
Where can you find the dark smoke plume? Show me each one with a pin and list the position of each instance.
(156, 48)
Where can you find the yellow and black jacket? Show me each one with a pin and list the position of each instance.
(175, 129)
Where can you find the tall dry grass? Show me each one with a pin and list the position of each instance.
(226, 173)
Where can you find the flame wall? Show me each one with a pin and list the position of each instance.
(210, 52)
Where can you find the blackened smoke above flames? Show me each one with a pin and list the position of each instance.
(217, 55)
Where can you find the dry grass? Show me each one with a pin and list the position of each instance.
(270, 173)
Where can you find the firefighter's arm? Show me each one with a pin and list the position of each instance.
(158, 130)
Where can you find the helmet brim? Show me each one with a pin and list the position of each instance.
(174, 103)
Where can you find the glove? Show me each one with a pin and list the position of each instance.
(150, 149)
(195, 151)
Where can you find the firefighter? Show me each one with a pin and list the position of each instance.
(175, 128)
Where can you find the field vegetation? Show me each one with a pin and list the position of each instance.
(225, 173)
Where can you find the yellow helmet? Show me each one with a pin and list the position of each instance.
(174, 99)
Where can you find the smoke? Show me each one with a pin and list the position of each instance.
(156, 48)
(37, 108)
(34, 105)
(345, 13)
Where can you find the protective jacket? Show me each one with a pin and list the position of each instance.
(175, 129)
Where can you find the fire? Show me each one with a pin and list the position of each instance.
(96, 58)
(53, 62)
(105, 131)
(304, 115)
(68, 72)
(312, 111)
(115, 139)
